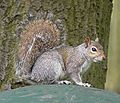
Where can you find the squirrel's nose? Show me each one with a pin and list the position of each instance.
(104, 57)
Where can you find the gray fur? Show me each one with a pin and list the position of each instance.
(53, 65)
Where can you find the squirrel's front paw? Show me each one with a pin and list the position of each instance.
(87, 85)
(64, 82)
(84, 84)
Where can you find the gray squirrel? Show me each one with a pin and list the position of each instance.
(51, 66)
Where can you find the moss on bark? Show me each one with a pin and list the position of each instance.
(80, 18)
(12, 13)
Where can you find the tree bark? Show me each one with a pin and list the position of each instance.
(113, 73)
(11, 13)
(80, 18)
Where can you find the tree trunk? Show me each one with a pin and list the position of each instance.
(11, 13)
(80, 18)
(113, 73)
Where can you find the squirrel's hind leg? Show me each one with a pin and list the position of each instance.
(46, 70)
(64, 82)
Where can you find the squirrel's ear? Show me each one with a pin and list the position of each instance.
(97, 39)
(87, 41)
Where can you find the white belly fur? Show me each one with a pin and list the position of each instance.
(85, 66)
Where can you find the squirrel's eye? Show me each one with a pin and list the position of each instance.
(94, 49)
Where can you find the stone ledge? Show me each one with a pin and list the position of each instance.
(58, 94)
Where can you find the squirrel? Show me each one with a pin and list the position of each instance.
(50, 66)
(67, 61)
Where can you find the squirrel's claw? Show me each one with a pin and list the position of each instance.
(64, 82)
(84, 84)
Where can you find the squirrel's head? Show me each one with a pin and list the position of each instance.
(94, 50)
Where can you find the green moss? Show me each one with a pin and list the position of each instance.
(8, 42)
(81, 18)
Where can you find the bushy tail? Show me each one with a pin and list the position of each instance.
(39, 36)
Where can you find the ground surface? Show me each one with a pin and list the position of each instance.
(58, 94)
